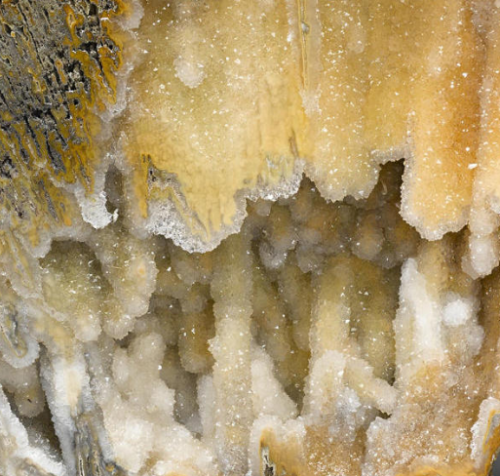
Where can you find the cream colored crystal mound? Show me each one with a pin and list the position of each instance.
(323, 339)
(206, 269)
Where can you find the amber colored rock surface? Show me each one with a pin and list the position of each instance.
(335, 88)
(244, 238)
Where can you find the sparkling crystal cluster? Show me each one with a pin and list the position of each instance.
(249, 238)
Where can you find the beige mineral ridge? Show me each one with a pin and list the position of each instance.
(249, 238)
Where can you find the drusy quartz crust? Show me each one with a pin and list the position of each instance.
(249, 238)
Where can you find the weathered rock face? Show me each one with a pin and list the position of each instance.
(249, 238)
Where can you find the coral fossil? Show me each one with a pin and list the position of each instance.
(252, 237)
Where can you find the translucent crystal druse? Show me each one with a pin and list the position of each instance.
(249, 238)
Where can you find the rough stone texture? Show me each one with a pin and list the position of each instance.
(58, 72)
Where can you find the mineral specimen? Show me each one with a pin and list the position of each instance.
(249, 237)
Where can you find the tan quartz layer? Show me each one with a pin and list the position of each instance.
(232, 96)
(230, 100)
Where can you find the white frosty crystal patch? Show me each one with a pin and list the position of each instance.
(457, 311)
(416, 300)
(189, 72)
